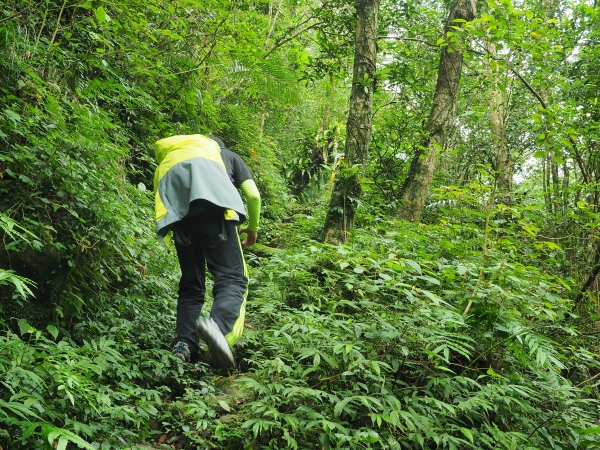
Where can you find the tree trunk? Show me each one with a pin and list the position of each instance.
(593, 275)
(415, 189)
(546, 183)
(565, 185)
(347, 191)
(497, 106)
(556, 187)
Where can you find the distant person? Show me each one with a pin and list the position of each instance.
(196, 197)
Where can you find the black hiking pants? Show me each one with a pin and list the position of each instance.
(213, 242)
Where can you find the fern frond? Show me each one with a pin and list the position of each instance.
(269, 77)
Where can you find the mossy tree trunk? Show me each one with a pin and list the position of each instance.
(347, 191)
(415, 189)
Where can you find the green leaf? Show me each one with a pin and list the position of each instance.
(375, 366)
(5, 274)
(224, 405)
(20, 286)
(62, 443)
(434, 298)
(340, 406)
(66, 436)
(30, 429)
(467, 433)
(429, 279)
(18, 409)
(11, 115)
(24, 327)
(53, 331)
(101, 15)
(415, 265)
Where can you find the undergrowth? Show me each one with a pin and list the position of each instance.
(360, 346)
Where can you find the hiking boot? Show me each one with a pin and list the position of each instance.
(182, 351)
(209, 332)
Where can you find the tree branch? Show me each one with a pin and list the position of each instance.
(516, 72)
(528, 86)
(208, 52)
(272, 27)
(17, 14)
(57, 23)
(422, 41)
(280, 42)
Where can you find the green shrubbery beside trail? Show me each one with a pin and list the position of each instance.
(362, 346)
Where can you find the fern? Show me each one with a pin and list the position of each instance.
(268, 77)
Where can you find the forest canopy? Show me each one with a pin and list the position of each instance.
(426, 274)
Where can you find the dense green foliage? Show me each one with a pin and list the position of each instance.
(476, 329)
(355, 347)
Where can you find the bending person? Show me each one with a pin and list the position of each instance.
(196, 197)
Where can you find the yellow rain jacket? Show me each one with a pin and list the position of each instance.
(190, 168)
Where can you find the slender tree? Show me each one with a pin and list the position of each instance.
(416, 186)
(347, 191)
(497, 110)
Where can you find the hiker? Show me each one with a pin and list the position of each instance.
(196, 198)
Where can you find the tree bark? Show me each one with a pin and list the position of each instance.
(347, 190)
(565, 184)
(546, 183)
(415, 189)
(497, 106)
(593, 275)
(556, 187)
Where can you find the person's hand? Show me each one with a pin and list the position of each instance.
(251, 236)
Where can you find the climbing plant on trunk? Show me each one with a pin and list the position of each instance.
(416, 186)
(347, 190)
